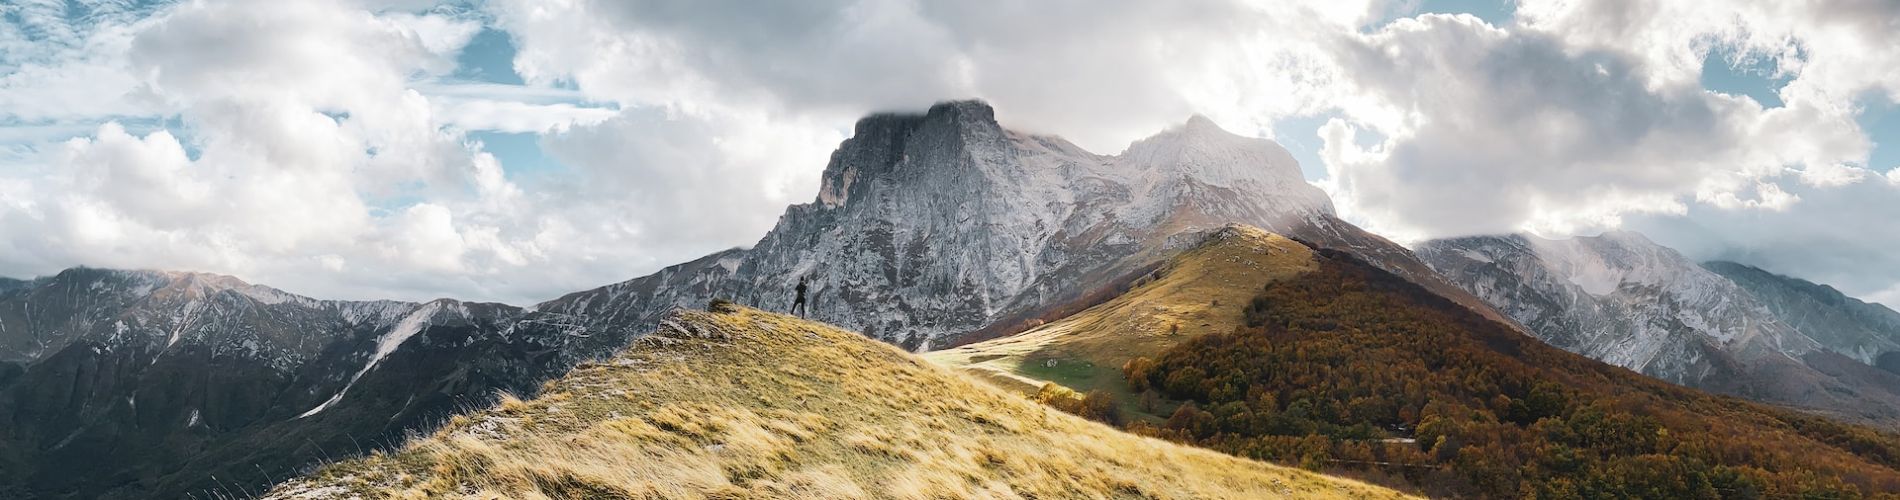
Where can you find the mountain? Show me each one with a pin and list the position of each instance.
(1256, 345)
(942, 228)
(748, 404)
(138, 384)
(930, 230)
(1845, 325)
(1633, 303)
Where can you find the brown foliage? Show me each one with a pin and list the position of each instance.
(1097, 405)
(1350, 367)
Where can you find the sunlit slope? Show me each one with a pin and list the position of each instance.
(1199, 291)
(748, 404)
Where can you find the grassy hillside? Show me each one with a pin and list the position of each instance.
(1199, 291)
(747, 404)
(1351, 367)
(1316, 358)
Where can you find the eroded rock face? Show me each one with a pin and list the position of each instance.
(1627, 301)
(1839, 323)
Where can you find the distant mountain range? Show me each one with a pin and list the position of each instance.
(1628, 301)
(137, 384)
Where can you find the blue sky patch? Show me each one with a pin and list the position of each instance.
(488, 57)
(1495, 12)
(1880, 120)
(1748, 75)
(1300, 136)
(520, 153)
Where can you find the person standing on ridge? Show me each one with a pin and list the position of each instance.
(798, 303)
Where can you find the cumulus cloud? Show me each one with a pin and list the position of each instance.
(1102, 74)
(297, 112)
(321, 145)
(1507, 130)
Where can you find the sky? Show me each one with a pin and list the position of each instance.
(515, 150)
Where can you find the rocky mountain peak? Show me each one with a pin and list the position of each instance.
(881, 144)
(1203, 165)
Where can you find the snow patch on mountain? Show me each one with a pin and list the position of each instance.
(385, 344)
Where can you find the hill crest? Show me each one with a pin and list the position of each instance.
(754, 404)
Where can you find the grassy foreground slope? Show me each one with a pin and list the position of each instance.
(748, 404)
(1196, 292)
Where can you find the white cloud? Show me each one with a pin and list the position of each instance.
(1100, 74)
(319, 145)
(1833, 174)
(298, 114)
(1834, 49)
(514, 116)
(1501, 131)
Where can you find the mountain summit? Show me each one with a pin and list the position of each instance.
(944, 227)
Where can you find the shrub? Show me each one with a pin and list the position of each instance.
(1097, 405)
(722, 306)
(1137, 371)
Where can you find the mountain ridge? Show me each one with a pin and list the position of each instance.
(1028, 217)
(1621, 298)
(1846, 325)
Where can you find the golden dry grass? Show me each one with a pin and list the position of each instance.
(1197, 292)
(757, 405)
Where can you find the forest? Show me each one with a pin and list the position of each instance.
(1350, 369)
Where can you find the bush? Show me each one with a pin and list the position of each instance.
(1137, 371)
(722, 306)
(1097, 405)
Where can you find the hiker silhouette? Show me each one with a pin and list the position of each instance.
(798, 303)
